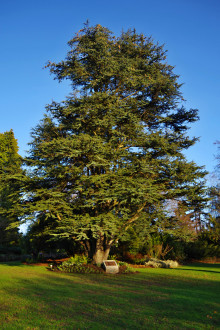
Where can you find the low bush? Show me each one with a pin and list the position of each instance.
(77, 260)
(29, 260)
(155, 263)
(137, 259)
(80, 264)
(124, 268)
(77, 264)
(79, 268)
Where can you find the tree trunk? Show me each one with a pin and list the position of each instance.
(99, 249)
(100, 255)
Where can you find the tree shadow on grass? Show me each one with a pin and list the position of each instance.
(139, 301)
(202, 267)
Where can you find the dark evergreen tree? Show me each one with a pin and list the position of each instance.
(111, 154)
(10, 169)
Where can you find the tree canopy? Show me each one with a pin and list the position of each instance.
(111, 155)
(215, 200)
(10, 168)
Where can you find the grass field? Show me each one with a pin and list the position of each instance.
(32, 297)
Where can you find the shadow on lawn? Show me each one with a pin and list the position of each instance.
(201, 268)
(204, 265)
(139, 301)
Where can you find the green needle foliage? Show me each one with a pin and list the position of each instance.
(110, 155)
(10, 171)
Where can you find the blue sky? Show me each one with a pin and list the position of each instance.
(33, 32)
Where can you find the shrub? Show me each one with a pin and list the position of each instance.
(155, 263)
(79, 268)
(137, 259)
(25, 257)
(177, 250)
(124, 268)
(78, 264)
(77, 260)
(30, 260)
(202, 249)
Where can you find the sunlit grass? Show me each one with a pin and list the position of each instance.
(183, 298)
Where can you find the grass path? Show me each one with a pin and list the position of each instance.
(185, 298)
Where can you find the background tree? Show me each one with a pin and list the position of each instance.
(207, 243)
(110, 155)
(10, 169)
(214, 225)
(215, 201)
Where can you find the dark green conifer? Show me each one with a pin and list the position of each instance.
(111, 154)
(10, 169)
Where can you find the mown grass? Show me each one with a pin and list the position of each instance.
(32, 297)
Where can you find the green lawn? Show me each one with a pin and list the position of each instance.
(185, 298)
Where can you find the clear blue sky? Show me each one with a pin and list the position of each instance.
(33, 32)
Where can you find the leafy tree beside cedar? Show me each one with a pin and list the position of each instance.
(110, 155)
(215, 201)
(10, 169)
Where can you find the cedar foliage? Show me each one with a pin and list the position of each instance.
(110, 155)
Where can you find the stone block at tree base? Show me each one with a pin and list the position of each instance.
(111, 266)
